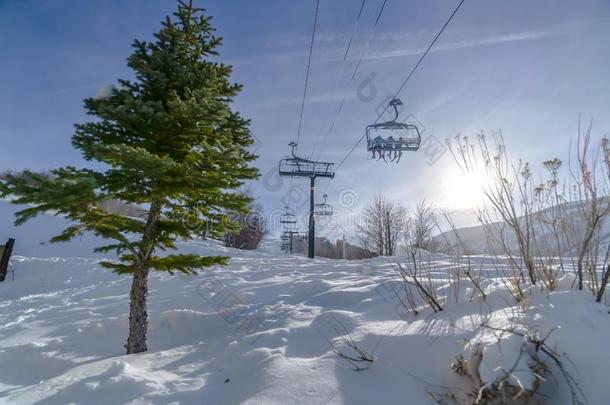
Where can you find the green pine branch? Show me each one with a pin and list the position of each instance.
(170, 143)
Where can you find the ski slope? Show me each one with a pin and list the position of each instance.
(258, 331)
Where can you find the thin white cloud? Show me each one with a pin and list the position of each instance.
(469, 43)
(331, 46)
(528, 35)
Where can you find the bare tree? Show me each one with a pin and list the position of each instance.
(419, 227)
(382, 224)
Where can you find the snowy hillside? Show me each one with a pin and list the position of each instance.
(474, 237)
(258, 332)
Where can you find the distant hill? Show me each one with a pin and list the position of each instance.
(475, 240)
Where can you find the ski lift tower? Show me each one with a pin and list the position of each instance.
(299, 167)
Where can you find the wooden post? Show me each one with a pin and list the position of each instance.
(6, 257)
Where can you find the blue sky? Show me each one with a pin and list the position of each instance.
(528, 68)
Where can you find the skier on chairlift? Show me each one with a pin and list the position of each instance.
(398, 150)
(391, 145)
(378, 146)
(381, 146)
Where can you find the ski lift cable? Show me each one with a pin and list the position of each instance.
(422, 57)
(370, 35)
(373, 30)
(406, 80)
(349, 44)
(343, 64)
(313, 37)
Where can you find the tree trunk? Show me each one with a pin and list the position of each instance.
(138, 315)
(602, 287)
(583, 250)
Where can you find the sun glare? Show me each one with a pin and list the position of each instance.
(461, 190)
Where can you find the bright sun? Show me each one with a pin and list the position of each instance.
(459, 190)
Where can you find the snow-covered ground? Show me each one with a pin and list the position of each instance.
(258, 332)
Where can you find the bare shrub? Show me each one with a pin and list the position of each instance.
(407, 295)
(358, 358)
(509, 194)
(542, 354)
(593, 209)
(415, 274)
(462, 263)
(519, 376)
(534, 223)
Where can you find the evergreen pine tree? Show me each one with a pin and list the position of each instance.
(170, 143)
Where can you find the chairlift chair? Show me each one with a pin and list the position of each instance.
(288, 217)
(392, 138)
(323, 208)
(299, 167)
(301, 235)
